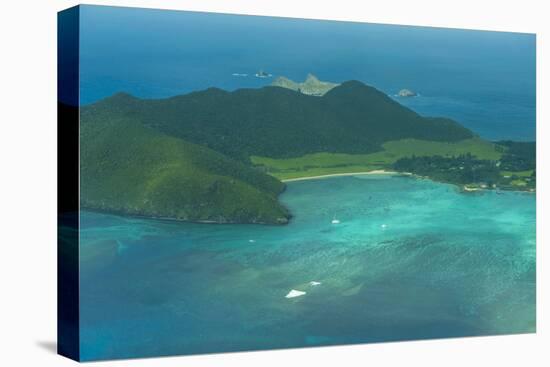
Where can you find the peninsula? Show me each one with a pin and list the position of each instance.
(219, 157)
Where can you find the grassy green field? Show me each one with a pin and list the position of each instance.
(331, 163)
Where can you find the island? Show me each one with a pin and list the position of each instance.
(216, 156)
(262, 74)
(311, 86)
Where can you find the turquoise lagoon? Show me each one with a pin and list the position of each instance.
(410, 259)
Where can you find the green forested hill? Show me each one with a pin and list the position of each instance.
(130, 169)
(280, 123)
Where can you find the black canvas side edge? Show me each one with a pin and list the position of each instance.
(68, 326)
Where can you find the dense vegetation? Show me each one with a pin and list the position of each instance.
(129, 168)
(276, 122)
(518, 156)
(475, 173)
(464, 169)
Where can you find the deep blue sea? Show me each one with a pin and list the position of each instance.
(484, 80)
(410, 259)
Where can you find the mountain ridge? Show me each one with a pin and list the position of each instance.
(280, 123)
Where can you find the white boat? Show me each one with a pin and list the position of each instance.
(314, 283)
(335, 221)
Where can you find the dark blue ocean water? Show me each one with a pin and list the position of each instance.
(484, 80)
(410, 259)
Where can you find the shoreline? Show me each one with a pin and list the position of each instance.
(123, 214)
(462, 188)
(374, 172)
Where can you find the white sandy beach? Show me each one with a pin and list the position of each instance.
(374, 172)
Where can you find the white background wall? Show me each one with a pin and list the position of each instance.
(28, 182)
